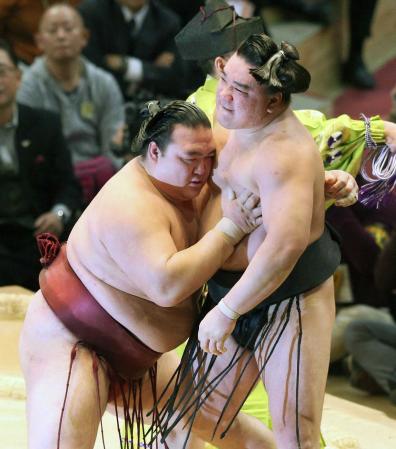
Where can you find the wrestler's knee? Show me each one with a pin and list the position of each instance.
(211, 426)
(206, 423)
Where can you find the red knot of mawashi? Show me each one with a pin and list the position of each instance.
(49, 247)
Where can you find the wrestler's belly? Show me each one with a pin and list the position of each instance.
(161, 329)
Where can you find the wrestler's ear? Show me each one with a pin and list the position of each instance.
(274, 102)
(153, 151)
(219, 64)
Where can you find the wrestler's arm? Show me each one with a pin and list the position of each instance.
(142, 245)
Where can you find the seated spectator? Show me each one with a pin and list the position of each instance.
(87, 98)
(38, 190)
(372, 346)
(19, 20)
(364, 233)
(134, 39)
(385, 272)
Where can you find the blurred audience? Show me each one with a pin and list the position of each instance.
(372, 343)
(360, 18)
(385, 268)
(372, 346)
(87, 98)
(185, 10)
(134, 39)
(365, 232)
(320, 11)
(392, 112)
(355, 72)
(38, 190)
(243, 8)
(19, 20)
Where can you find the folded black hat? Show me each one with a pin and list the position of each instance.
(214, 31)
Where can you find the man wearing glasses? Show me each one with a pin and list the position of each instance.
(38, 191)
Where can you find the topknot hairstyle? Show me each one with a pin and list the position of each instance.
(276, 68)
(160, 122)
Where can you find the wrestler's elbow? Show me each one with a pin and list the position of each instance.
(164, 292)
(291, 249)
(173, 295)
(158, 293)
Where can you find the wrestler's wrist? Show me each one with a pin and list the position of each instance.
(232, 231)
(227, 311)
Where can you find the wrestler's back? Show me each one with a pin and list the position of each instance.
(94, 259)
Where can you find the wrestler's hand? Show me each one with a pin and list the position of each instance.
(244, 210)
(390, 135)
(342, 187)
(214, 330)
(48, 222)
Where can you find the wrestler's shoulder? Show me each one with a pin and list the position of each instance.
(280, 158)
(129, 191)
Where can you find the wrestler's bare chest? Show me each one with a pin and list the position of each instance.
(235, 169)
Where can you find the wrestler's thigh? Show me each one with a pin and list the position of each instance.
(45, 350)
(280, 375)
(166, 366)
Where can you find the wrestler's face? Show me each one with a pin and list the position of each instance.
(186, 163)
(241, 103)
(62, 35)
(9, 80)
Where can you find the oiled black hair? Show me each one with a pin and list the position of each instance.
(275, 68)
(161, 121)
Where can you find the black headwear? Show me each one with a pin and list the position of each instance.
(215, 31)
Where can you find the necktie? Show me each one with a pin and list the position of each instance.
(131, 28)
(131, 33)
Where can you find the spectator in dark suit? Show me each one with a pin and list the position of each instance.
(38, 191)
(134, 39)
